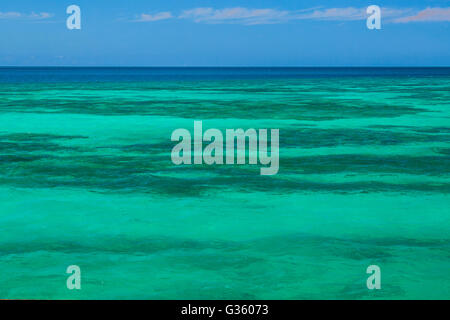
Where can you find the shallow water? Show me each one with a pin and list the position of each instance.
(86, 178)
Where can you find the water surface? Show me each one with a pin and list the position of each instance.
(86, 179)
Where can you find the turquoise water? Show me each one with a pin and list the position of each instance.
(86, 179)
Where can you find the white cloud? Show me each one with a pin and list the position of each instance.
(236, 15)
(252, 16)
(42, 15)
(339, 14)
(10, 15)
(246, 16)
(154, 17)
(427, 15)
(30, 16)
(350, 14)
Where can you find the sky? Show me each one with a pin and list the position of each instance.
(224, 33)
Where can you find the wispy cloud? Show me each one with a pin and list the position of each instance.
(25, 16)
(350, 14)
(254, 16)
(154, 17)
(427, 15)
(9, 15)
(236, 15)
(339, 14)
(246, 16)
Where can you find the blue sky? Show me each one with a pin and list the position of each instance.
(224, 33)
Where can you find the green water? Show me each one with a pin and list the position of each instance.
(86, 179)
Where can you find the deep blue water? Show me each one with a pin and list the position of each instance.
(114, 74)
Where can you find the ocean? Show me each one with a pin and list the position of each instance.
(86, 179)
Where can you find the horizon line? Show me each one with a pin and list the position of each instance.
(225, 67)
